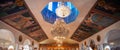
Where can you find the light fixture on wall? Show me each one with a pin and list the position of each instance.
(63, 11)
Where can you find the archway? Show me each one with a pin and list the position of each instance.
(113, 39)
(27, 45)
(6, 38)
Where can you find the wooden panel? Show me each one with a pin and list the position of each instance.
(55, 47)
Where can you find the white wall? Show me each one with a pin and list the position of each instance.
(16, 33)
(103, 35)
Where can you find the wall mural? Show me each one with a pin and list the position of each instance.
(94, 22)
(26, 24)
(8, 7)
(109, 6)
(14, 13)
(23, 22)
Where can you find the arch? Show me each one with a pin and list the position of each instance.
(82, 47)
(27, 45)
(115, 31)
(91, 41)
(92, 44)
(27, 42)
(6, 34)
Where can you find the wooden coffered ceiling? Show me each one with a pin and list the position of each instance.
(92, 18)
